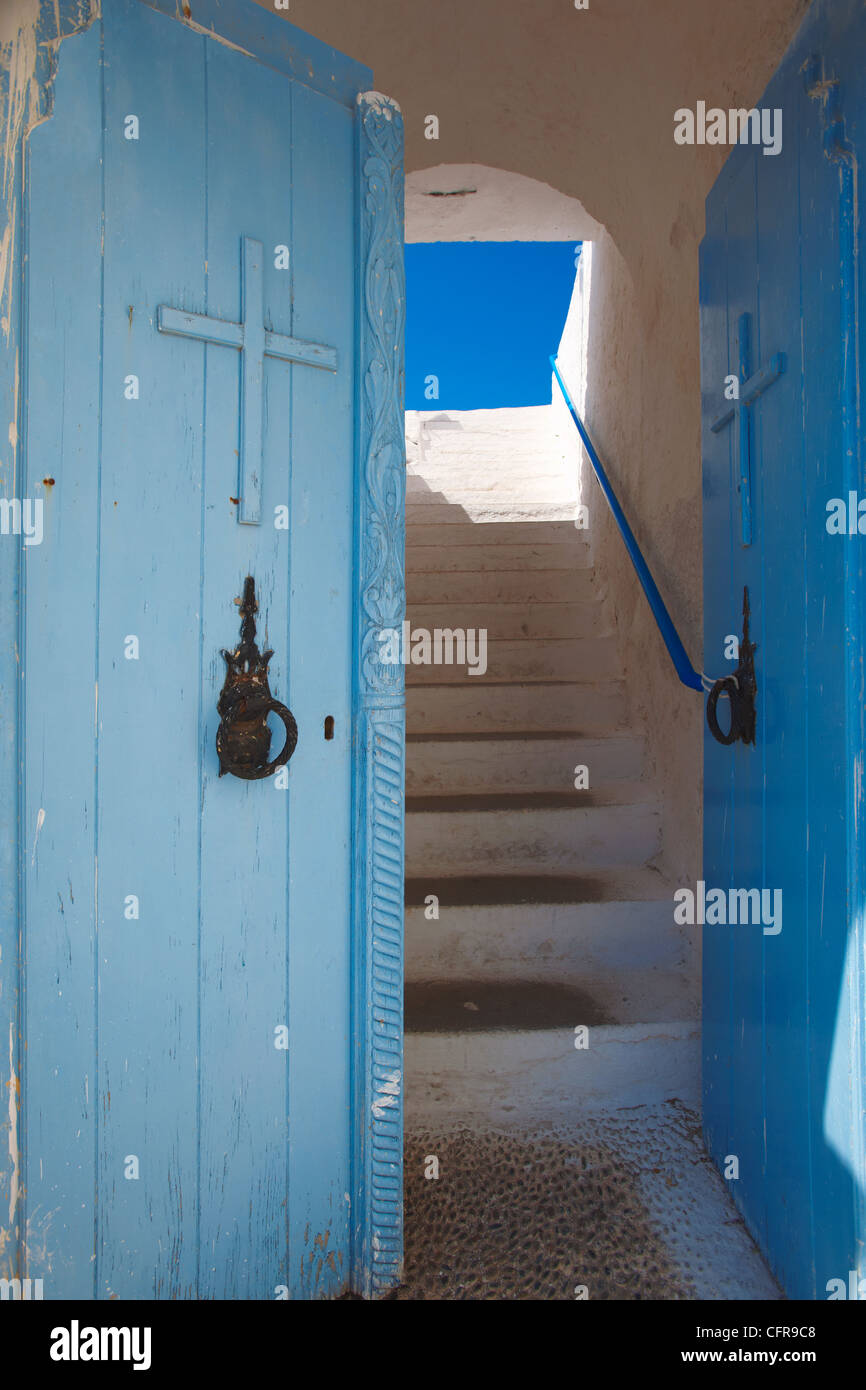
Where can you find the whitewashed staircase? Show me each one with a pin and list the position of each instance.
(551, 914)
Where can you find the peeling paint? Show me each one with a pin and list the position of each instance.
(13, 424)
(14, 1156)
(40, 821)
(20, 42)
(36, 1255)
(387, 1095)
(379, 103)
(210, 34)
(17, 15)
(18, 57)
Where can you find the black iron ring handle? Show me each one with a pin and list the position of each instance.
(726, 686)
(253, 774)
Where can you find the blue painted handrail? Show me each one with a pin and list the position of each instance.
(677, 652)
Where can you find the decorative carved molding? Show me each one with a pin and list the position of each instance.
(382, 421)
(385, 1174)
(380, 719)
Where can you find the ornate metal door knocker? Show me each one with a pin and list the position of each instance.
(243, 738)
(741, 689)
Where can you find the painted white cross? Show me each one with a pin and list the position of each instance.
(255, 343)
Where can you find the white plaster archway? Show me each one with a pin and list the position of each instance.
(472, 202)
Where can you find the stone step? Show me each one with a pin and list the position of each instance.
(508, 1075)
(535, 422)
(509, 622)
(497, 490)
(486, 836)
(441, 559)
(496, 996)
(627, 951)
(539, 419)
(481, 451)
(523, 473)
(454, 765)
(460, 532)
(493, 449)
(483, 708)
(490, 512)
(584, 658)
(577, 585)
(478, 453)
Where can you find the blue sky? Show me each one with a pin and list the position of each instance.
(483, 317)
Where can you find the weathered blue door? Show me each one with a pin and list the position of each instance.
(784, 998)
(192, 1040)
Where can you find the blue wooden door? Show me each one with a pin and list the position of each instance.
(186, 955)
(784, 998)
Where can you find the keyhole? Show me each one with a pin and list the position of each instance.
(329, 726)
(726, 696)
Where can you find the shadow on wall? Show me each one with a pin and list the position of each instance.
(643, 443)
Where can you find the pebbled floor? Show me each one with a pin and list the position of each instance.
(626, 1206)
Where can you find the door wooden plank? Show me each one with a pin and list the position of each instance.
(747, 866)
(780, 483)
(828, 771)
(720, 601)
(62, 376)
(321, 637)
(149, 777)
(245, 934)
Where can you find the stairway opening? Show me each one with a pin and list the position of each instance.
(551, 1003)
